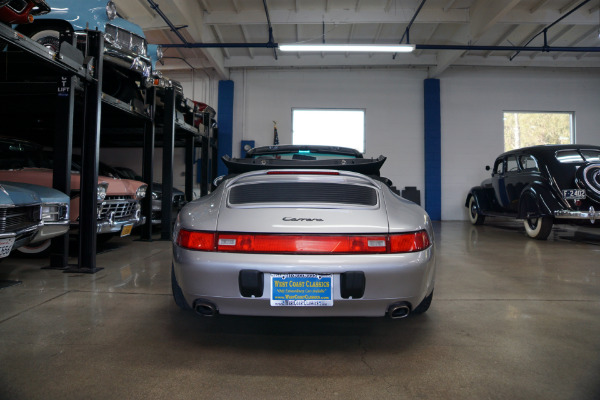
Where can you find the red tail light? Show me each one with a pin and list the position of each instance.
(303, 244)
(204, 241)
(409, 242)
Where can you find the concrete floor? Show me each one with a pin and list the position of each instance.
(512, 318)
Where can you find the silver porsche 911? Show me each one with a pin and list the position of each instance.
(303, 231)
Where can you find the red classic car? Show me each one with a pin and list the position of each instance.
(21, 11)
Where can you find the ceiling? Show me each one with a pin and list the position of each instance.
(488, 27)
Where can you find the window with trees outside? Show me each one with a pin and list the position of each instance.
(523, 129)
(329, 127)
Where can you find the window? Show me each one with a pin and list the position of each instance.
(528, 163)
(574, 156)
(499, 166)
(329, 127)
(511, 164)
(523, 129)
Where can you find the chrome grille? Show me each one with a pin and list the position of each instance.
(121, 206)
(17, 218)
(127, 40)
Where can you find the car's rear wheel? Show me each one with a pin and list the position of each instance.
(424, 306)
(474, 216)
(538, 228)
(178, 293)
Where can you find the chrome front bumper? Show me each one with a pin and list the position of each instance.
(137, 63)
(113, 225)
(591, 214)
(50, 230)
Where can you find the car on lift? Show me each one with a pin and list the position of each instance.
(127, 65)
(178, 197)
(543, 186)
(119, 208)
(22, 11)
(54, 217)
(303, 231)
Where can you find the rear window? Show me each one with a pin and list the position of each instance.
(578, 156)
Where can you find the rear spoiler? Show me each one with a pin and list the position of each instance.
(360, 165)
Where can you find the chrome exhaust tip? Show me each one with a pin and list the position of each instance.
(398, 310)
(205, 308)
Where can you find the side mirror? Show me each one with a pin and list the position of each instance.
(487, 167)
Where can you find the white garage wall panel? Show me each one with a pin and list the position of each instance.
(393, 100)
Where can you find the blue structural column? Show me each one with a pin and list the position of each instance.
(433, 149)
(225, 119)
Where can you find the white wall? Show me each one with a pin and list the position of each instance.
(472, 102)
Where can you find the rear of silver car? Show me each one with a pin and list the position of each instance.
(303, 243)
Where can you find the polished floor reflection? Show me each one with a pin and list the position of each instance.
(512, 318)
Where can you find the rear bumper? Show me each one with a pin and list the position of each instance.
(389, 279)
(590, 215)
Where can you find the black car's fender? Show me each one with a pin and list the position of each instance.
(537, 201)
(482, 199)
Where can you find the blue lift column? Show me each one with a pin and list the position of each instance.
(433, 149)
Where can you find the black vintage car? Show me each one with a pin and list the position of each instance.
(541, 185)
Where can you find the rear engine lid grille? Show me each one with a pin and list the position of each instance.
(303, 192)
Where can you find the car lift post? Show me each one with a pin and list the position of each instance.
(167, 163)
(147, 165)
(88, 217)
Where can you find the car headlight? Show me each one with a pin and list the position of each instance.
(111, 10)
(140, 193)
(159, 53)
(102, 188)
(155, 196)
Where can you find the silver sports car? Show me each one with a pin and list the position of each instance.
(303, 231)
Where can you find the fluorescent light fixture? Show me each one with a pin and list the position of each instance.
(362, 48)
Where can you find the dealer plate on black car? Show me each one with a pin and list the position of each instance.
(301, 290)
(574, 194)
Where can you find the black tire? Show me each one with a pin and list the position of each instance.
(474, 216)
(538, 228)
(424, 306)
(178, 293)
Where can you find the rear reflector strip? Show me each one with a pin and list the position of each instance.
(303, 244)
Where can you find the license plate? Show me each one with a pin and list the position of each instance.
(301, 290)
(6, 246)
(126, 230)
(574, 194)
